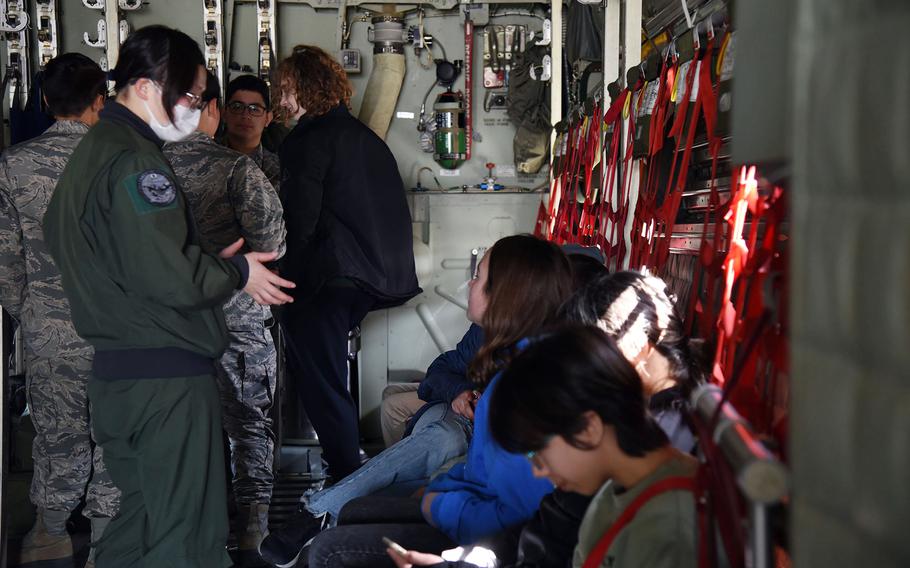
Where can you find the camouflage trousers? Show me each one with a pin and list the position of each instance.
(247, 375)
(67, 464)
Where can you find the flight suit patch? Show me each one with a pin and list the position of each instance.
(156, 188)
(152, 191)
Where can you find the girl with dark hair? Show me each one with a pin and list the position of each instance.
(148, 299)
(517, 291)
(575, 407)
(349, 241)
(639, 313)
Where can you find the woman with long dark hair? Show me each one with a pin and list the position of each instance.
(349, 241)
(148, 299)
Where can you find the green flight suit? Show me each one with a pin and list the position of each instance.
(148, 299)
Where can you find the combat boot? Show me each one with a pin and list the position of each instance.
(254, 519)
(47, 544)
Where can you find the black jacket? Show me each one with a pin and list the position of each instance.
(345, 210)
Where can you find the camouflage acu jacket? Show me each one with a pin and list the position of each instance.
(267, 161)
(230, 197)
(269, 164)
(30, 283)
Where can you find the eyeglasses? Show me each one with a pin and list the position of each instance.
(536, 460)
(237, 107)
(195, 100)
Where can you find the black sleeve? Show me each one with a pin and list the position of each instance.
(302, 191)
(549, 538)
(447, 376)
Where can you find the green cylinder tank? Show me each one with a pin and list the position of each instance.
(450, 141)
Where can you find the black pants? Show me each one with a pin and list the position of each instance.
(357, 540)
(317, 339)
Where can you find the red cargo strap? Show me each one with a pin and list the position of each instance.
(613, 117)
(676, 186)
(596, 556)
(588, 215)
(649, 257)
(645, 209)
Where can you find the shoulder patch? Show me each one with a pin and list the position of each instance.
(156, 187)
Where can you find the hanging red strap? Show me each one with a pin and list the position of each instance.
(567, 234)
(587, 221)
(566, 187)
(598, 553)
(559, 148)
(675, 191)
(622, 215)
(605, 213)
(540, 225)
(657, 227)
(645, 208)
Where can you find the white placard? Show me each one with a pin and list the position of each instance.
(506, 171)
(404, 114)
(449, 173)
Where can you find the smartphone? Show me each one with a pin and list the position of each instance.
(397, 548)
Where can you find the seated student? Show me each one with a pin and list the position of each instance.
(636, 310)
(576, 408)
(446, 382)
(517, 272)
(446, 378)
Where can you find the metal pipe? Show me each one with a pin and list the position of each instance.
(451, 298)
(112, 23)
(387, 76)
(456, 263)
(556, 73)
(759, 475)
(5, 340)
(429, 322)
(762, 552)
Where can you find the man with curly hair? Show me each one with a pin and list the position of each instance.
(349, 241)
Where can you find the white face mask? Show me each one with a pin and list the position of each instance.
(186, 120)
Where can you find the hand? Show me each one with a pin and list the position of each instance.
(413, 558)
(463, 405)
(232, 249)
(426, 505)
(263, 285)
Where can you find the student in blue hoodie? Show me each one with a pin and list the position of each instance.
(525, 280)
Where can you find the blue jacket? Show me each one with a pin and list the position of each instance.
(447, 375)
(491, 490)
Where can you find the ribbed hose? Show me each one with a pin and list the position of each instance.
(382, 92)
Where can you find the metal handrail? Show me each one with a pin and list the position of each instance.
(760, 476)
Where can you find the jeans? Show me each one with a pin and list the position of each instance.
(438, 436)
(357, 541)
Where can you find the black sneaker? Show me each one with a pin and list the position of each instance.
(282, 547)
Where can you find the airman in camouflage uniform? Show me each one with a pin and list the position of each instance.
(67, 465)
(247, 115)
(231, 198)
